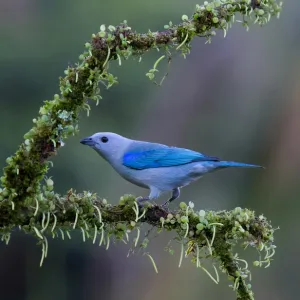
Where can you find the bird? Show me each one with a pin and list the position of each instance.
(157, 167)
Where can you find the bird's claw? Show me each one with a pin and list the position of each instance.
(165, 206)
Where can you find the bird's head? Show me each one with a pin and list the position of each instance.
(109, 145)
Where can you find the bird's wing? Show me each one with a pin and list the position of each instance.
(162, 157)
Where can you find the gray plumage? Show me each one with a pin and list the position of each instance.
(157, 167)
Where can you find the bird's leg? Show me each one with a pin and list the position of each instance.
(175, 195)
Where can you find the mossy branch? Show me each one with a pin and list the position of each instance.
(203, 235)
(36, 209)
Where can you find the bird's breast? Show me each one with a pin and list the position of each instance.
(134, 176)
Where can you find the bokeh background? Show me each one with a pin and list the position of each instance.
(238, 98)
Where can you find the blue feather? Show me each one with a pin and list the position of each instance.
(163, 157)
(226, 164)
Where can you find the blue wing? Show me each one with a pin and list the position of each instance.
(163, 157)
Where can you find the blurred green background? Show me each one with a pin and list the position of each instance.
(237, 98)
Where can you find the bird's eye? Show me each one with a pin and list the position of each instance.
(104, 139)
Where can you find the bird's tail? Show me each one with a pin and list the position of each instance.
(227, 164)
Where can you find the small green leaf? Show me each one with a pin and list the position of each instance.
(111, 28)
(202, 213)
(182, 205)
(260, 12)
(184, 18)
(215, 20)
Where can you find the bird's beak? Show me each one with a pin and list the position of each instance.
(87, 141)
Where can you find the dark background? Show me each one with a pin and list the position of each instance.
(237, 98)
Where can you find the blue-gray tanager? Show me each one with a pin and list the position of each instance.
(157, 167)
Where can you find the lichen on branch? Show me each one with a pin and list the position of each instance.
(35, 208)
(202, 234)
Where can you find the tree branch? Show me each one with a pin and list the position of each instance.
(37, 210)
(203, 235)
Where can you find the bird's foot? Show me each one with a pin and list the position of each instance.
(175, 195)
(165, 206)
